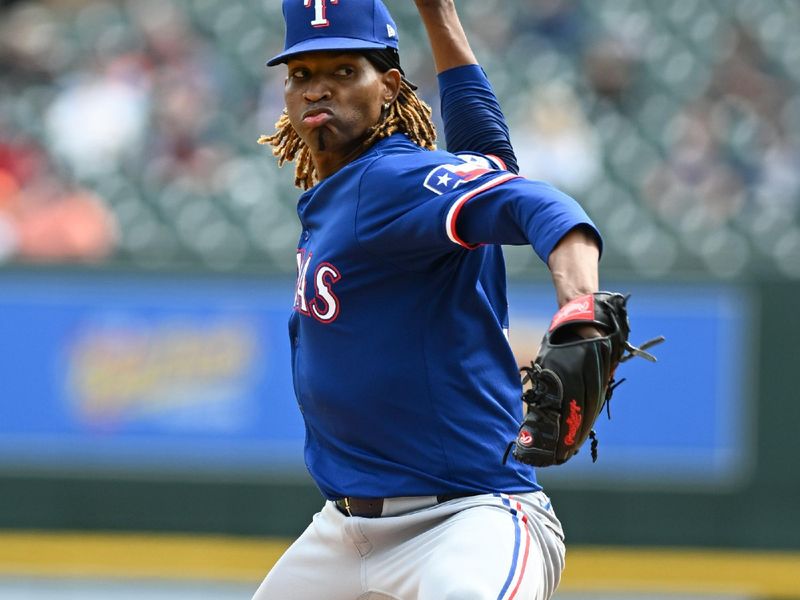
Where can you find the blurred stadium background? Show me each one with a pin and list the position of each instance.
(149, 443)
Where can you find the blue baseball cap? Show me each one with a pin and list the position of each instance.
(314, 25)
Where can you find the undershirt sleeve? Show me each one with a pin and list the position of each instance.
(473, 119)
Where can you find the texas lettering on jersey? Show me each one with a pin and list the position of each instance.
(324, 305)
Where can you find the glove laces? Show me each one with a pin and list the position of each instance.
(632, 351)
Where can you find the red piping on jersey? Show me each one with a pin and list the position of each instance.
(452, 214)
(499, 160)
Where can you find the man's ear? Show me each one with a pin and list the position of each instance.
(391, 83)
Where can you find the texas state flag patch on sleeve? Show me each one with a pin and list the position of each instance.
(446, 178)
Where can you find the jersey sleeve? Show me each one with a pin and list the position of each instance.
(519, 212)
(414, 214)
(473, 119)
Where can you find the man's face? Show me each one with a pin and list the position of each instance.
(333, 99)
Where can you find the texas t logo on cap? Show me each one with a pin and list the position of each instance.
(319, 12)
(338, 25)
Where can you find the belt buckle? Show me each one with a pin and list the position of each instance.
(347, 506)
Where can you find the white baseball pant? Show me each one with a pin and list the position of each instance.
(485, 547)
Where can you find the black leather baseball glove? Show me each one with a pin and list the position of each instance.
(572, 378)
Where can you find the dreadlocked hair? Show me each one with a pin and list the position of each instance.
(408, 114)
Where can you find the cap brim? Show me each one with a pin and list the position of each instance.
(324, 43)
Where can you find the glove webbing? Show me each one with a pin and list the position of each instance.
(612, 384)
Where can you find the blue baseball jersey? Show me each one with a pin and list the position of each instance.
(401, 364)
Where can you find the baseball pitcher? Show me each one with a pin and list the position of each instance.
(402, 369)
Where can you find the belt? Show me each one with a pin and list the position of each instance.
(387, 507)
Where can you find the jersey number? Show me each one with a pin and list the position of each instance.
(319, 12)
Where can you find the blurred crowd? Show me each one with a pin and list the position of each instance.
(128, 127)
